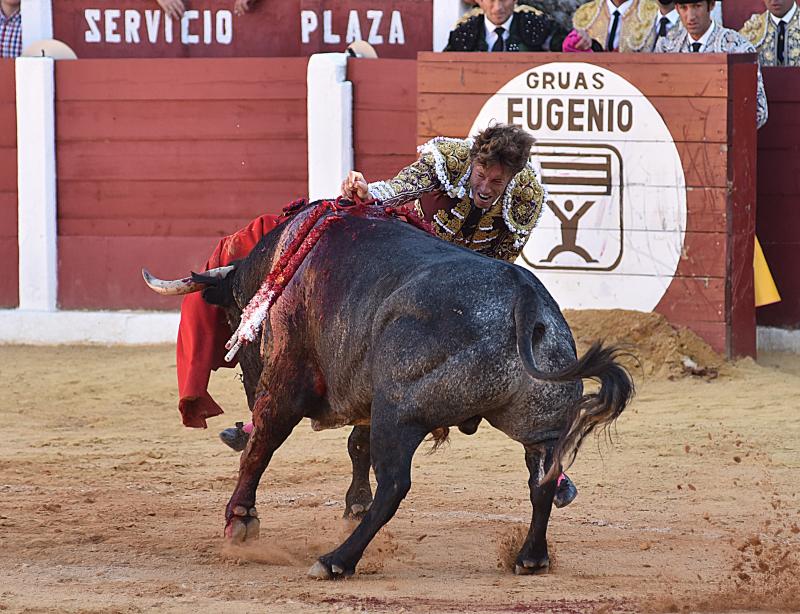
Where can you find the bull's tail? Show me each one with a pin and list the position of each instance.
(599, 363)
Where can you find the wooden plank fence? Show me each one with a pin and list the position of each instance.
(9, 254)
(157, 159)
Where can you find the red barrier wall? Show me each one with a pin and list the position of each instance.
(285, 28)
(157, 159)
(384, 115)
(9, 258)
(778, 216)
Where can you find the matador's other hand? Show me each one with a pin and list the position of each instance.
(355, 185)
(173, 8)
(240, 7)
(584, 42)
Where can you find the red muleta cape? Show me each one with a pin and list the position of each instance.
(203, 330)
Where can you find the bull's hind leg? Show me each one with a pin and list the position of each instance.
(271, 428)
(392, 448)
(359, 495)
(533, 556)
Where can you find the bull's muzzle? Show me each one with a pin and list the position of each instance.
(176, 287)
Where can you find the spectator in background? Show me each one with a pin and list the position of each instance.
(173, 8)
(500, 25)
(775, 33)
(240, 7)
(666, 20)
(702, 35)
(10, 29)
(615, 25)
(176, 8)
(560, 11)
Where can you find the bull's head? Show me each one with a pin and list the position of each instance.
(195, 283)
(216, 286)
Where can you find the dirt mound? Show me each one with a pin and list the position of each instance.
(662, 349)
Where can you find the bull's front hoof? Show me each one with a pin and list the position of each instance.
(243, 526)
(357, 501)
(323, 569)
(356, 511)
(526, 567)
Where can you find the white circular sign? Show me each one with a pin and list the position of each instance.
(612, 227)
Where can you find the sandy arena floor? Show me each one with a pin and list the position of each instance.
(107, 504)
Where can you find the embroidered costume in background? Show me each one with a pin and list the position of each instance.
(636, 23)
(530, 30)
(673, 24)
(763, 32)
(560, 11)
(718, 40)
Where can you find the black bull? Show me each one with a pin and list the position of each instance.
(402, 334)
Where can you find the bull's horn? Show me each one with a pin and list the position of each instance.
(176, 287)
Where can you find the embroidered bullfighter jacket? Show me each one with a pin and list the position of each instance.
(530, 30)
(763, 32)
(721, 40)
(439, 183)
(636, 23)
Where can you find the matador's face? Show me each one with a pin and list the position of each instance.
(488, 183)
(497, 11)
(696, 16)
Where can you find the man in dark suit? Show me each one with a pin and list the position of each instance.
(500, 25)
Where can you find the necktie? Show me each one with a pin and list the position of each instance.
(696, 47)
(498, 44)
(662, 26)
(662, 30)
(612, 35)
(781, 41)
(470, 224)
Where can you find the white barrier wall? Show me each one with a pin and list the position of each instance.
(36, 184)
(330, 124)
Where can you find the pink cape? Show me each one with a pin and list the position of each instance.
(569, 43)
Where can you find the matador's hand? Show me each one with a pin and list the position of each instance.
(173, 8)
(585, 41)
(355, 185)
(240, 7)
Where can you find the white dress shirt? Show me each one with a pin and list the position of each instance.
(785, 19)
(622, 8)
(491, 37)
(673, 18)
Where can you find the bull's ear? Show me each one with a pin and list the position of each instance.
(217, 291)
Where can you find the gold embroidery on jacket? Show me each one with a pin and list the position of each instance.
(762, 32)
(444, 165)
(636, 23)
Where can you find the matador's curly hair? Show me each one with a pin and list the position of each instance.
(504, 144)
